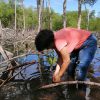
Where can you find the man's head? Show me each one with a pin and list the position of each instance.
(44, 39)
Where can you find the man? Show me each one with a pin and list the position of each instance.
(80, 45)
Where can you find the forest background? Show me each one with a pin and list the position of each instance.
(20, 24)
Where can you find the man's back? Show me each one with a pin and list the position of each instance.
(72, 38)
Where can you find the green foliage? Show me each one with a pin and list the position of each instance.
(57, 22)
(45, 18)
(19, 17)
(6, 14)
(72, 17)
(90, 2)
(51, 58)
(95, 24)
(31, 18)
(84, 20)
(55, 18)
(7, 17)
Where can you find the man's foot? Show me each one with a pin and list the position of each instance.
(81, 95)
(69, 78)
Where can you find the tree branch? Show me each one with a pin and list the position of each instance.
(69, 82)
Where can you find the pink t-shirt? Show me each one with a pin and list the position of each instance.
(72, 38)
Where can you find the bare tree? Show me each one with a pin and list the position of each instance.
(23, 16)
(1, 34)
(79, 14)
(50, 20)
(80, 2)
(15, 16)
(87, 17)
(39, 8)
(64, 13)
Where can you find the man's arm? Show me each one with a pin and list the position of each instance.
(65, 56)
(65, 61)
(59, 63)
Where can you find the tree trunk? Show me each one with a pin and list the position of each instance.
(39, 5)
(64, 13)
(23, 17)
(79, 14)
(1, 34)
(15, 16)
(4, 54)
(50, 20)
(87, 17)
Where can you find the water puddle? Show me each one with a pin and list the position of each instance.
(26, 85)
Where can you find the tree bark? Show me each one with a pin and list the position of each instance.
(15, 16)
(50, 20)
(64, 13)
(69, 82)
(23, 18)
(39, 5)
(1, 34)
(79, 14)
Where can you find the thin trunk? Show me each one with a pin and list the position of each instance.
(64, 13)
(14, 46)
(79, 14)
(23, 18)
(50, 20)
(87, 17)
(39, 9)
(1, 34)
(15, 16)
(43, 9)
(39, 16)
(38, 3)
(4, 54)
(23, 15)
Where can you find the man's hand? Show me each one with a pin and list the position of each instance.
(56, 78)
(62, 65)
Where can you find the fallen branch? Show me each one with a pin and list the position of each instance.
(24, 64)
(27, 64)
(69, 82)
(98, 59)
(1, 81)
(13, 58)
(33, 52)
(9, 78)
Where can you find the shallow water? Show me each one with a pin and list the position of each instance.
(28, 90)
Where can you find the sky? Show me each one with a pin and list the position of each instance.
(57, 5)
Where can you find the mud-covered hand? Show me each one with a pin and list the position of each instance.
(56, 78)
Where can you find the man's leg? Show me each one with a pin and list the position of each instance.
(86, 55)
(72, 65)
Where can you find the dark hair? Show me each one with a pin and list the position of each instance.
(44, 39)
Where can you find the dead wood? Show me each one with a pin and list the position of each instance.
(11, 77)
(68, 83)
(24, 64)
